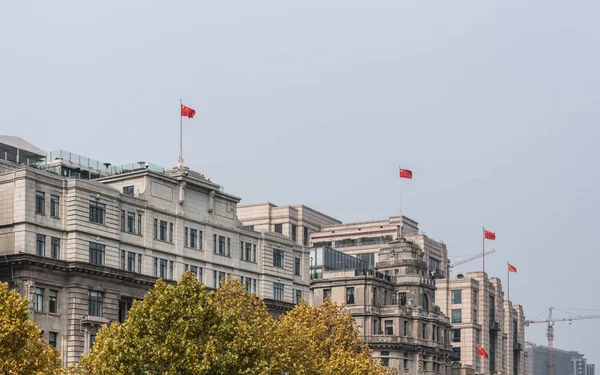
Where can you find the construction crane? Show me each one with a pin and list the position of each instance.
(550, 332)
(450, 266)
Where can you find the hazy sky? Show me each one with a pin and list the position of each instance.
(493, 104)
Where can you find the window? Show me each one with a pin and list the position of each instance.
(248, 285)
(122, 221)
(38, 303)
(214, 243)
(40, 202)
(193, 238)
(350, 296)
(52, 339)
(170, 232)
(124, 307)
(254, 253)
(394, 299)
(192, 269)
(140, 263)
(131, 262)
(200, 239)
(475, 297)
(305, 237)
(163, 268)
(215, 280)
(221, 245)
(123, 255)
(131, 222)
(248, 251)
(128, 190)
(456, 297)
(298, 296)
(326, 294)
(140, 224)
(155, 228)
(242, 250)
(278, 228)
(254, 285)
(163, 231)
(385, 361)
(389, 327)
(97, 211)
(402, 298)
(96, 253)
(456, 351)
(457, 316)
(221, 278)
(55, 248)
(200, 274)
(41, 245)
(228, 246)
(474, 316)
(405, 328)
(170, 270)
(155, 274)
(54, 206)
(92, 341)
(278, 258)
(94, 303)
(425, 302)
(297, 266)
(294, 230)
(53, 301)
(278, 291)
(456, 335)
(185, 236)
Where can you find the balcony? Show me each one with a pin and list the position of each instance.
(494, 326)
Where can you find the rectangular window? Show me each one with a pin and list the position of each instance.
(193, 238)
(92, 341)
(55, 248)
(38, 304)
(278, 291)
(131, 222)
(228, 246)
(298, 296)
(193, 269)
(305, 237)
(475, 296)
(155, 267)
(456, 335)
(155, 228)
(53, 301)
(394, 299)
(456, 351)
(456, 297)
(278, 258)
(297, 266)
(214, 243)
(278, 228)
(170, 270)
(389, 327)
(97, 211)
(294, 230)
(163, 268)
(405, 328)
(248, 285)
(54, 206)
(123, 256)
(326, 294)
(215, 280)
(140, 224)
(424, 332)
(122, 221)
(140, 263)
(185, 236)
(170, 232)
(350, 296)
(200, 239)
(242, 250)
(94, 303)
(200, 274)
(96, 253)
(248, 251)
(385, 362)
(41, 245)
(40, 202)
(52, 339)
(402, 298)
(474, 316)
(124, 307)
(254, 285)
(222, 277)
(457, 316)
(131, 262)
(128, 190)
(254, 253)
(221, 245)
(163, 231)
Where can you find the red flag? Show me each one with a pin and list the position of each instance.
(187, 111)
(482, 353)
(512, 268)
(489, 235)
(405, 173)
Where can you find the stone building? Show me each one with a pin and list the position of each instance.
(481, 317)
(83, 249)
(393, 304)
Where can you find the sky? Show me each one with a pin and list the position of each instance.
(492, 104)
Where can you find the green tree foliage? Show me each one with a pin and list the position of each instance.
(22, 349)
(185, 329)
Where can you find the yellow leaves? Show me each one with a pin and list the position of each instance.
(22, 349)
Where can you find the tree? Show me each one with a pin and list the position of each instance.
(22, 348)
(323, 340)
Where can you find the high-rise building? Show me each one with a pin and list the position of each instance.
(564, 361)
(82, 240)
(590, 369)
(481, 317)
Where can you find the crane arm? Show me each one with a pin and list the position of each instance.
(528, 322)
(471, 258)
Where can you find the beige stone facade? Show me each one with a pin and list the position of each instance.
(481, 317)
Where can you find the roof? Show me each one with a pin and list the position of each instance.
(21, 144)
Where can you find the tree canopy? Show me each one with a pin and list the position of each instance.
(185, 329)
(22, 348)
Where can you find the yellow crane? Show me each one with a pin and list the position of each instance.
(550, 320)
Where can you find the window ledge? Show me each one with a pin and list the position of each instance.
(89, 319)
(192, 248)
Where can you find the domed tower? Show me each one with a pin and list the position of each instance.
(404, 262)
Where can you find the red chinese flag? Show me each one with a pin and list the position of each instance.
(512, 268)
(187, 111)
(405, 173)
(489, 235)
(482, 353)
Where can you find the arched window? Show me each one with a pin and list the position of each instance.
(425, 302)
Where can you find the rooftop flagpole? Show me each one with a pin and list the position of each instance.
(180, 132)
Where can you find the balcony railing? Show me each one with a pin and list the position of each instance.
(494, 326)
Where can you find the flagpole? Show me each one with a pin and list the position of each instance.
(180, 132)
(400, 192)
(508, 280)
(483, 247)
